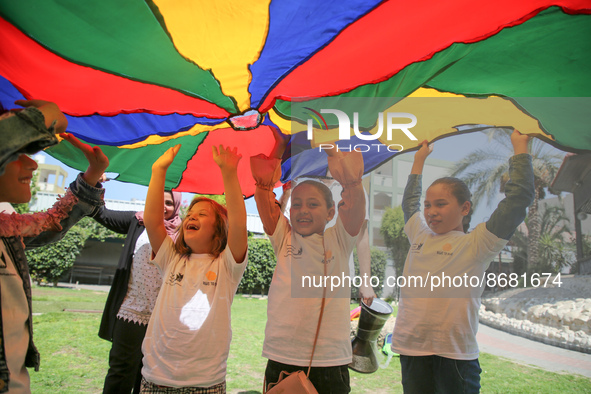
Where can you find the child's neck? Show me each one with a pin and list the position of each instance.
(201, 248)
(309, 235)
(201, 251)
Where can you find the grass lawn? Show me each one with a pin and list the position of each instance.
(74, 358)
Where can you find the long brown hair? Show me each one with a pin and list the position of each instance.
(220, 237)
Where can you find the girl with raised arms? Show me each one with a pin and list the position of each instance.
(188, 337)
(435, 332)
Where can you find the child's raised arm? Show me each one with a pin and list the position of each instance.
(519, 191)
(154, 213)
(412, 192)
(266, 172)
(347, 169)
(420, 157)
(97, 161)
(227, 160)
(520, 142)
(60, 217)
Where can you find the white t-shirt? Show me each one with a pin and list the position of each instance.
(443, 321)
(15, 313)
(188, 337)
(292, 320)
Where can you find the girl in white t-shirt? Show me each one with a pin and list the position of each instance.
(436, 325)
(303, 247)
(188, 336)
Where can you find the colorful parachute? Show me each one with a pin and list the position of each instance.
(139, 76)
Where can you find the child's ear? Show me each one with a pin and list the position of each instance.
(466, 208)
(331, 213)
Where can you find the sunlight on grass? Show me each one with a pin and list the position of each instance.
(73, 357)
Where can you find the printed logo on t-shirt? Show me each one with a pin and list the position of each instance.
(175, 279)
(328, 257)
(416, 248)
(211, 279)
(211, 275)
(293, 252)
(446, 250)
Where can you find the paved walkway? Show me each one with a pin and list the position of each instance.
(104, 288)
(526, 351)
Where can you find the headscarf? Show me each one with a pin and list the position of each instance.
(174, 222)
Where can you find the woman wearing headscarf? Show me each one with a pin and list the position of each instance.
(133, 293)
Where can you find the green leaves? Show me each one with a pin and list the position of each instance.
(261, 265)
(392, 230)
(50, 262)
(378, 269)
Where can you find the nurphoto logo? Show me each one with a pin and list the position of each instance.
(393, 123)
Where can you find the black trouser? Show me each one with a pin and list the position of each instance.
(436, 374)
(125, 358)
(326, 380)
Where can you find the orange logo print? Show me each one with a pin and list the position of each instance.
(447, 247)
(211, 276)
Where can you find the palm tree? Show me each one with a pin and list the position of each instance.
(556, 248)
(485, 171)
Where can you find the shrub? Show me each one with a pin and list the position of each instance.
(261, 265)
(48, 263)
(378, 269)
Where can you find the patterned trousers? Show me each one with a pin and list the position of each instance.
(149, 387)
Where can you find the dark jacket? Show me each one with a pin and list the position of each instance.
(122, 222)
